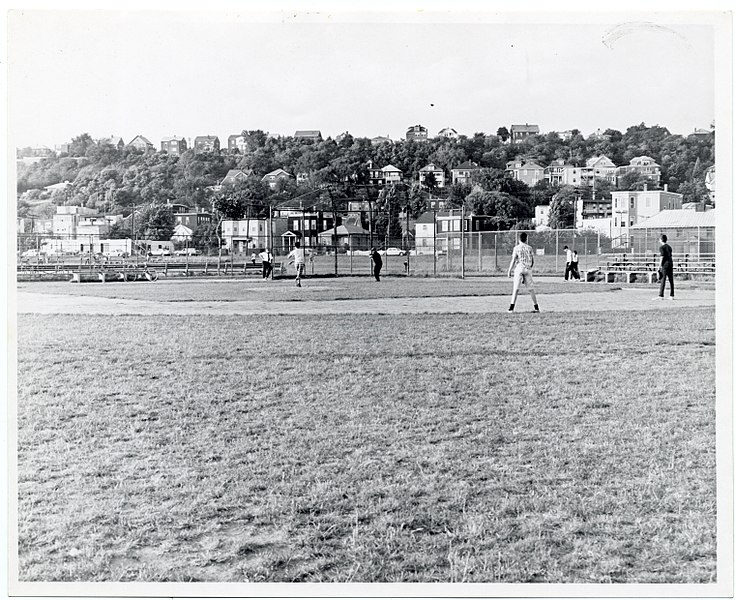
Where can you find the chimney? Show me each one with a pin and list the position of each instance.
(666, 187)
(645, 187)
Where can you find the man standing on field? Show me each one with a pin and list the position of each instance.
(667, 268)
(296, 256)
(522, 260)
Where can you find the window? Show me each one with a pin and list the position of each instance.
(631, 222)
(296, 225)
(632, 202)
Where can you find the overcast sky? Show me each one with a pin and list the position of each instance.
(188, 74)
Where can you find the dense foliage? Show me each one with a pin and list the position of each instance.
(114, 181)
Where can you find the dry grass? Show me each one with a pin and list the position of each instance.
(507, 448)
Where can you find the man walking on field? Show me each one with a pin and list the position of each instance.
(522, 260)
(296, 256)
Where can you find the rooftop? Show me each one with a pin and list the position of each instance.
(679, 218)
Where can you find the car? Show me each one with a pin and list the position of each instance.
(361, 252)
(116, 253)
(31, 253)
(394, 252)
(186, 252)
(161, 252)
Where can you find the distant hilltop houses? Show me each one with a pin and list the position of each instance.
(526, 171)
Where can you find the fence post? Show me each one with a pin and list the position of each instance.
(496, 250)
(585, 253)
(434, 252)
(556, 255)
(461, 239)
(479, 252)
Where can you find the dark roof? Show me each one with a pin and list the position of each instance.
(427, 217)
(468, 164)
(308, 133)
(528, 128)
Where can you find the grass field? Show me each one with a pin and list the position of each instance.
(570, 448)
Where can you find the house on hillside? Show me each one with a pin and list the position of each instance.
(376, 141)
(528, 172)
(438, 173)
(518, 133)
(173, 145)
(238, 142)
(311, 135)
(274, 177)
(554, 172)
(235, 176)
(383, 176)
(417, 133)
(141, 143)
(598, 167)
(465, 172)
(644, 166)
(115, 141)
(206, 143)
(448, 133)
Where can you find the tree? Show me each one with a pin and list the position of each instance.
(156, 222)
(80, 145)
(387, 222)
(206, 237)
(503, 133)
(694, 191)
(561, 209)
(430, 181)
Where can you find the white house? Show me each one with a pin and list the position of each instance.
(629, 208)
(438, 173)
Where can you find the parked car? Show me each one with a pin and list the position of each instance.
(116, 253)
(186, 251)
(160, 252)
(361, 252)
(394, 252)
(31, 253)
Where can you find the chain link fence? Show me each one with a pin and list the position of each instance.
(427, 253)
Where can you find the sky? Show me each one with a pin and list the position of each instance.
(192, 73)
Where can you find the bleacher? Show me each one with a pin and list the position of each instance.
(631, 267)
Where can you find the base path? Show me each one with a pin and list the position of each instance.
(624, 299)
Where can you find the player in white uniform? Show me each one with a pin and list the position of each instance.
(522, 260)
(298, 259)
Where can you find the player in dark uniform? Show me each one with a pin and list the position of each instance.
(666, 271)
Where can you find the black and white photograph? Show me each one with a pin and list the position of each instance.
(368, 300)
